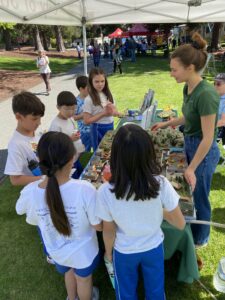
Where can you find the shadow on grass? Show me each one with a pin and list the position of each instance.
(218, 182)
(218, 214)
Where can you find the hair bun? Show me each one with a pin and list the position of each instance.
(198, 42)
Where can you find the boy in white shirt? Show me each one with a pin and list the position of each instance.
(28, 110)
(64, 122)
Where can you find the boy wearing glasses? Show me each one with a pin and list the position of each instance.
(219, 84)
(64, 122)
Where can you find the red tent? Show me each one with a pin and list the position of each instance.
(116, 34)
(138, 29)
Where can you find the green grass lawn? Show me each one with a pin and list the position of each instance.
(24, 272)
(57, 65)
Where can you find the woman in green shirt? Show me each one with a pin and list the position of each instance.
(200, 107)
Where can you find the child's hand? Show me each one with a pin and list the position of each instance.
(75, 136)
(111, 109)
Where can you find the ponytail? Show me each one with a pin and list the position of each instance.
(55, 150)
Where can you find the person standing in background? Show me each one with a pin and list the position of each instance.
(43, 65)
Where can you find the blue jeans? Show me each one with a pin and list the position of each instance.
(126, 267)
(98, 131)
(204, 174)
(133, 55)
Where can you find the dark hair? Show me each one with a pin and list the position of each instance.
(92, 91)
(194, 53)
(55, 150)
(81, 82)
(133, 164)
(27, 103)
(66, 98)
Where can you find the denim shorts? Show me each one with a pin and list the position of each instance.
(80, 272)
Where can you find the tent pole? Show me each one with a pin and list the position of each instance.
(85, 45)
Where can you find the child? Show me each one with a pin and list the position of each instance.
(117, 59)
(131, 207)
(63, 209)
(98, 106)
(28, 110)
(43, 65)
(85, 134)
(64, 122)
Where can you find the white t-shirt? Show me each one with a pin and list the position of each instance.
(21, 149)
(43, 65)
(92, 109)
(79, 200)
(68, 127)
(138, 222)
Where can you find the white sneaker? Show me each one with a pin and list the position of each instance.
(95, 293)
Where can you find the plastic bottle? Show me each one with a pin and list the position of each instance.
(34, 167)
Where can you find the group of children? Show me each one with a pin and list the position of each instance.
(128, 209)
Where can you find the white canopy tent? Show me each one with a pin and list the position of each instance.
(82, 12)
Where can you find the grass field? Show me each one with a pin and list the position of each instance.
(24, 272)
(58, 65)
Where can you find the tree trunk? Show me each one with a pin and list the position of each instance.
(215, 36)
(37, 39)
(59, 39)
(45, 41)
(7, 39)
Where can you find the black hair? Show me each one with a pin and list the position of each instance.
(133, 164)
(27, 103)
(55, 150)
(81, 82)
(66, 98)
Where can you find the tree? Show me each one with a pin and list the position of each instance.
(59, 39)
(37, 40)
(6, 29)
(215, 36)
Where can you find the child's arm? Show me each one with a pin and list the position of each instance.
(175, 217)
(78, 117)
(98, 227)
(109, 234)
(89, 118)
(23, 179)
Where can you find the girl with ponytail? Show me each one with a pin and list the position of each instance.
(199, 117)
(63, 209)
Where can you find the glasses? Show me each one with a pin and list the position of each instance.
(218, 83)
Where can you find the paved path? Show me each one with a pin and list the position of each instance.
(59, 83)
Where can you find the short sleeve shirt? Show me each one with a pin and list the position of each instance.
(82, 127)
(92, 109)
(21, 149)
(221, 107)
(203, 101)
(137, 222)
(79, 199)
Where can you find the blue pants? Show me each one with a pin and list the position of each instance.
(98, 131)
(204, 174)
(126, 268)
(86, 140)
(78, 171)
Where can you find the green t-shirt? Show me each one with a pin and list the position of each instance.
(203, 101)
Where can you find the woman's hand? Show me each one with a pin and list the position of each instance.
(159, 125)
(190, 177)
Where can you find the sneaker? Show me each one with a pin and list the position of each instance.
(67, 298)
(95, 293)
(50, 260)
(199, 262)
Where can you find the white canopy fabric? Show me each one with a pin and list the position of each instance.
(75, 12)
(82, 12)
